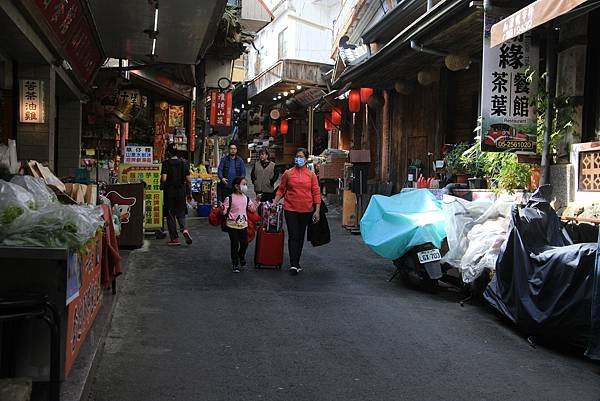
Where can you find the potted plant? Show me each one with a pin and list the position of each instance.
(454, 162)
(473, 161)
(506, 170)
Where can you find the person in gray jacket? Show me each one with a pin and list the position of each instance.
(264, 176)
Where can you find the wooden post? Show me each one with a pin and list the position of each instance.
(311, 124)
(385, 138)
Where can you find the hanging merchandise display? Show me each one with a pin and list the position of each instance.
(365, 94)
(354, 101)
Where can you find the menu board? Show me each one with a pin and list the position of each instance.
(153, 199)
(138, 155)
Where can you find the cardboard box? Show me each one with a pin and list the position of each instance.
(360, 156)
(76, 191)
(91, 194)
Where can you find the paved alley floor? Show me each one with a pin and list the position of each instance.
(186, 328)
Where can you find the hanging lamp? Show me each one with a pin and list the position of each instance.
(365, 94)
(354, 101)
(283, 127)
(336, 115)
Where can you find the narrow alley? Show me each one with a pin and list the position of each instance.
(186, 328)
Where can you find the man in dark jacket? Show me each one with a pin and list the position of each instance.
(230, 166)
(176, 181)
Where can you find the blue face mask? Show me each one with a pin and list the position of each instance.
(299, 161)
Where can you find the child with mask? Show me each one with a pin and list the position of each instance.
(235, 208)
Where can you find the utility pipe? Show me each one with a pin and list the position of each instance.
(420, 48)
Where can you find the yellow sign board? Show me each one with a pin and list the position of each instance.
(153, 198)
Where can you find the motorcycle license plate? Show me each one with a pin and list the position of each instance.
(432, 255)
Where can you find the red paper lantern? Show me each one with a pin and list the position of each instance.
(283, 127)
(365, 94)
(336, 115)
(354, 101)
(328, 123)
(273, 130)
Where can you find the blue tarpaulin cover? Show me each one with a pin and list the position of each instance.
(392, 225)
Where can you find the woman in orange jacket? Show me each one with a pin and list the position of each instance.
(299, 188)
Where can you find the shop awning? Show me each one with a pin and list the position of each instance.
(163, 84)
(534, 15)
(185, 29)
(451, 26)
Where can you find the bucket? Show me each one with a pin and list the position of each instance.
(82, 176)
(203, 210)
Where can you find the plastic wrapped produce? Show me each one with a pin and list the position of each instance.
(14, 201)
(37, 187)
(55, 226)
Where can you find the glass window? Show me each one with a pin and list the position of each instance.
(282, 45)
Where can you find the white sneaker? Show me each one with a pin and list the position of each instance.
(294, 270)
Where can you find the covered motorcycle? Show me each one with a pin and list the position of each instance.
(392, 225)
(547, 283)
(408, 228)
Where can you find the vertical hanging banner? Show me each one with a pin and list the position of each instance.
(221, 108)
(193, 127)
(508, 94)
(32, 101)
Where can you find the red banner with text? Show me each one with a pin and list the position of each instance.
(221, 108)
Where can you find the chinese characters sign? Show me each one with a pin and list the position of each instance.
(32, 101)
(193, 128)
(535, 14)
(138, 155)
(221, 105)
(153, 199)
(84, 306)
(75, 34)
(508, 115)
(61, 15)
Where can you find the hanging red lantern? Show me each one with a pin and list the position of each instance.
(328, 123)
(365, 94)
(336, 115)
(283, 127)
(273, 130)
(354, 101)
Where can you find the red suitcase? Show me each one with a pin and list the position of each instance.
(269, 249)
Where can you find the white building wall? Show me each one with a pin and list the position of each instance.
(309, 34)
